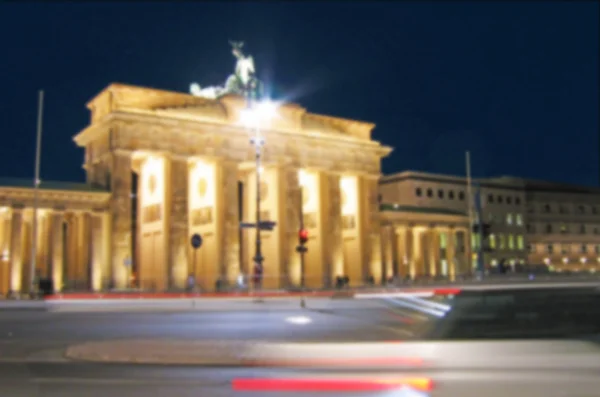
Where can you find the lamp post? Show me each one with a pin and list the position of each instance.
(254, 114)
(258, 142)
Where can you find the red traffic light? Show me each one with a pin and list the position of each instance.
(303, 236)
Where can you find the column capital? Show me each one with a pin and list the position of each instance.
(96, 212)
(122, 153)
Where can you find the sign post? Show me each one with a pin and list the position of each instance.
(196, 242)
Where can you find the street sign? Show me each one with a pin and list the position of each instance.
(263, 225)
(196, 241)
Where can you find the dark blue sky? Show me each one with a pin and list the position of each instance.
(514, 82)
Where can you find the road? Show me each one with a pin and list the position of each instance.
(32, 344)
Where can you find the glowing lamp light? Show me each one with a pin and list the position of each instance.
(583, 260)
(565, 260)
(261, 112)
(266, 110)
(547, 261)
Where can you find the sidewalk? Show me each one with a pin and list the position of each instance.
(241, 353)
(20, 305)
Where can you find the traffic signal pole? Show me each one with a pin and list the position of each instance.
(301, 214)
(480, 263)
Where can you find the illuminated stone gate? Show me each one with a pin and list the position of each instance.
(177, 164)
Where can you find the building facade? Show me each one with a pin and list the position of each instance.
(162, 166)
(531, 222)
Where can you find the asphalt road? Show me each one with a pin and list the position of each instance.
(71, 380)
(32, 344)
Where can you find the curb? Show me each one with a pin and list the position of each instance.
(239, 354)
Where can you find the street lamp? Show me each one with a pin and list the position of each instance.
(252, 116)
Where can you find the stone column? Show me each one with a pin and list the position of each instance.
(83, 250)
(230, 236)
(178, 226)
(57, 248)
(291, 270)
(5, 225)
(434, 251)
(16, 251)
(417, 265)
(334, 250)
(451, 254)
(388, 239)
(405, 259)
(372, 236)
(97, 251)
(121, 217)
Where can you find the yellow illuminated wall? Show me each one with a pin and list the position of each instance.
(351, 224)
(202, 198)
(4, 250)
(313, 222)
(153, 266)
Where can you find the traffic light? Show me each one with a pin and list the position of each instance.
(486, 228)
(303, 236)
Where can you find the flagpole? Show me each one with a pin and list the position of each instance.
(36, 186)
(469, 203)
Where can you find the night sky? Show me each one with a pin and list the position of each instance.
(514, 82)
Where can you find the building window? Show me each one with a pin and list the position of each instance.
(530, 228)
(379, 198)
(519, 219)
(598, 249)
(429, 193)
(451, 194)
(490, 198)
(562, 209)
(581, 209)
(564, 249)
(520, 242)
(499, 199)
(549, 229)
(492, 241)
(594, 210)
(491, 218)
(582, 229)
(547, 209)
(418, 192)
(440, 194)
(511, 242)
(461, 195)
(509, 219)
(517, 201)
(501, 242)
(550, 249)
(596, 230)
(583, 248)
(509, 200)
(475, 239)
(563, 229)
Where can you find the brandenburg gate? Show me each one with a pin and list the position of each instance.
(162, 166)
(177, 164)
